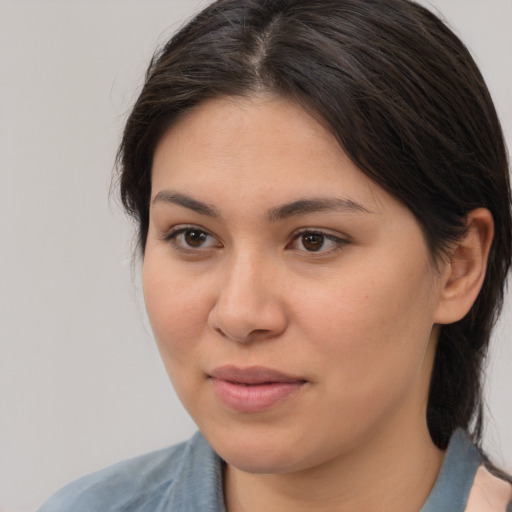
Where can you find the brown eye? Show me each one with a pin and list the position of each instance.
(195, 238)
(192, 239)
(313, 241)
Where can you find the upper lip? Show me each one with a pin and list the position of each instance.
(252, 375)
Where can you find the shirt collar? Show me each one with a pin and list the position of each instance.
(198, 483)
(453, 484)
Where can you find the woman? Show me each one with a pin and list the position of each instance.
(323, 203)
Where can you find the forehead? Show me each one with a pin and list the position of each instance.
(270, 146)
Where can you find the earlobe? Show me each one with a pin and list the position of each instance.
(464, 273)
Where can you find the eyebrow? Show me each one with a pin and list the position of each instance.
(314, 205)
(299, 207)
(166, 196)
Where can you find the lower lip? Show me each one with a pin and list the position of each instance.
(254, 398)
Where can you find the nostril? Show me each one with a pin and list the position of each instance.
(253, 335)
(246, 322)
(218, 330)
(259, 332)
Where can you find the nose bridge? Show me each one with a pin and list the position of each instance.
(249, 303)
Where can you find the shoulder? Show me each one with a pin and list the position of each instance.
(135, 484)
(464, 484)
(489, 493)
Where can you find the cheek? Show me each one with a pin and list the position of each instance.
(374, 328)
(177, 309)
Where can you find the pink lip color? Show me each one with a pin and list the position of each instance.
(253, 389)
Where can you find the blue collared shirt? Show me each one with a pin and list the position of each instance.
(188, 478)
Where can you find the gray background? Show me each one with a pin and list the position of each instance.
(81, 383)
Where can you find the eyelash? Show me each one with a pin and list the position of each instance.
(338, 242)
(172, 237)
(175, 232)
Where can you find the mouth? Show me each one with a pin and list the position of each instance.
(253, 389)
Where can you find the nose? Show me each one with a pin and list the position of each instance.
(249, 305)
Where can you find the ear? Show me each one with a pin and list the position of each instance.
(463, 275)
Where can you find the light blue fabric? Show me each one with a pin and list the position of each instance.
(183, 478)
(188, 478)
(451, 490)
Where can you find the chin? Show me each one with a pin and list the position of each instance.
(260, 452)
(262, 461)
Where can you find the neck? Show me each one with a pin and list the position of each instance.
(385, 473)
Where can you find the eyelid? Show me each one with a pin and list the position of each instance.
(171, 235)
(321, 231)
(340, 240)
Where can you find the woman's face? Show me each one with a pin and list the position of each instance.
(293, 300)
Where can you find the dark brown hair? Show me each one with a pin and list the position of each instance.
(405, 100)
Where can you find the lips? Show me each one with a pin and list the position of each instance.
(254, 389)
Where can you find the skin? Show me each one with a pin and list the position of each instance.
(356, 318)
